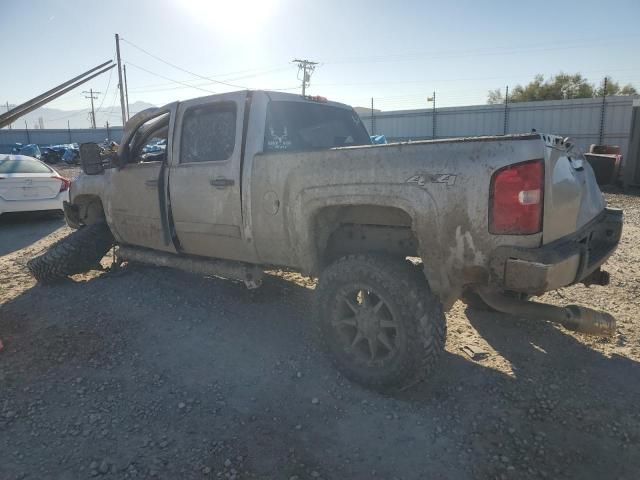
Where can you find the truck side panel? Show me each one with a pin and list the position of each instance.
(437, 184)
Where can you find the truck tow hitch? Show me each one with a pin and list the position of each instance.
(572, 317)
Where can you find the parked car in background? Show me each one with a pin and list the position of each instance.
(71, 155)
(27, 184)
(68, 153)
(378, 139)
(30, 150)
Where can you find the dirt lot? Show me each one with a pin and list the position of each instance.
(156, 373)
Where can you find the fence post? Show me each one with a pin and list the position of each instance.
(373, 119)
(506, 111)
(602, 110)
(433, 134)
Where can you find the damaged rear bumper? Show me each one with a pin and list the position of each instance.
(563, 262)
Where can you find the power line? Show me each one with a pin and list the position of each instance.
(508, 50)
(180, 68)
(258, 73)
(167, 78)
(105, 91)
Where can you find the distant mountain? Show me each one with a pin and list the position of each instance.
(55, 118)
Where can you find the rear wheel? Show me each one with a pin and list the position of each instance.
(77, 253)
(379, 321)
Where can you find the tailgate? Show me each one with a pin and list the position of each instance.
(572, 197)
(18, 186)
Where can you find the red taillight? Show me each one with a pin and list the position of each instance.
(65, 183)
(516, 199)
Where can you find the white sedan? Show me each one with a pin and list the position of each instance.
(27, 184)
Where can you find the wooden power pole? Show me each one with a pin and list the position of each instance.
(93, 96)
(307, 67)
(120, 84)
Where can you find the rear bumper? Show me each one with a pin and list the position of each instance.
(563, 262)
(7, 206)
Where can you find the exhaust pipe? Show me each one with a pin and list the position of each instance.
(572, 317)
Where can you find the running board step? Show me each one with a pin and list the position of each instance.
(250, 274)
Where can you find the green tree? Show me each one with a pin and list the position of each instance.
(559, 87)
(495, 96)
(614, 88)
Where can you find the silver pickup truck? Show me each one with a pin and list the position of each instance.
(233, 184)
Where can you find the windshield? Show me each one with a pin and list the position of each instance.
(296, 126)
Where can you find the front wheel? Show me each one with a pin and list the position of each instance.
(379, 321)
(79, 252)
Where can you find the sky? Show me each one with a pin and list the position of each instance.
(397, 53)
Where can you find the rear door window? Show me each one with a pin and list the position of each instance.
(23, 166)
(296, 126)
(208, 133)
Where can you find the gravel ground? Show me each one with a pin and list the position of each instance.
(152, 373)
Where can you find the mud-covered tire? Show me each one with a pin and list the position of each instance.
(417, 337)
(79, 252)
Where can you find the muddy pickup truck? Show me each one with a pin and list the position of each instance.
(238, 183)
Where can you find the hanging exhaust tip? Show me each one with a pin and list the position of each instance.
(572, 317)
(590, 322)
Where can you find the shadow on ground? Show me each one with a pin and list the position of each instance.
(19, 230)
(161, 373)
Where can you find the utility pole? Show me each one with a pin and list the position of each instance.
(108, 133)
(373, 119)
(433, 114)
(120, 85)
(602, 110)
(307, 67)
(93, 96)
(26, 127)
(506, 110)
(126, 89)
(69, 130)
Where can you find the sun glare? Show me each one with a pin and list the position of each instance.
(230, 16)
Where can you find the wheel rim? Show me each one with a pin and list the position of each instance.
(366, 325)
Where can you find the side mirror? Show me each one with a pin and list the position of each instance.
(91, 159)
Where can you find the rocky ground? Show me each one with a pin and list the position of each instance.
(152, 373)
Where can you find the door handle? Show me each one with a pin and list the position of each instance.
(221, 182)
(151, 183)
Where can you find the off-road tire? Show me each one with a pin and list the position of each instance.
(421, 335)
(79, 252)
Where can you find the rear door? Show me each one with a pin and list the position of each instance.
(204, 179)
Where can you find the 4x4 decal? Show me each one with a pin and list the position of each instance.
(421, 179)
